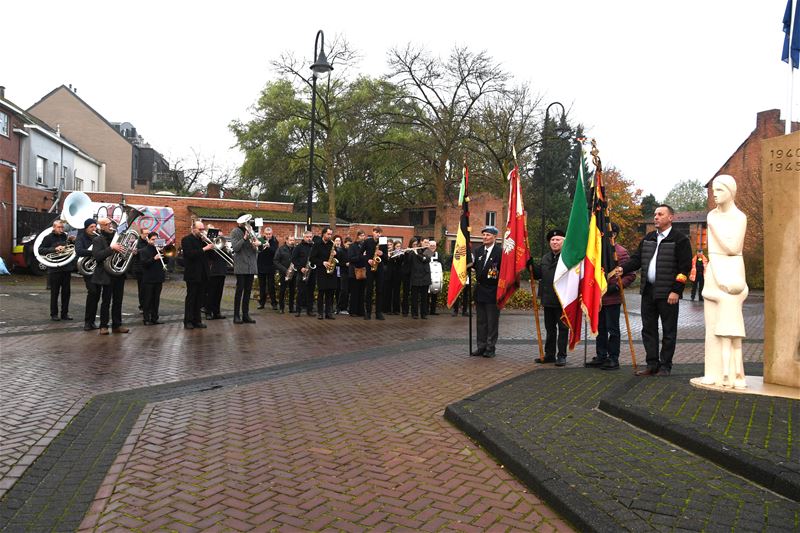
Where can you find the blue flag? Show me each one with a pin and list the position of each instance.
(791, 43)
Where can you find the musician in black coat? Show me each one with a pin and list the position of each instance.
(283, 258)
(59, 277)
(344, 276)
(375, 277)
(305, 290)
(153, 275)
(83, 244)
(217, 270)
(136, 266)
(266, 269)
(195, 273)
(326, 283)
(394, 278)
(420, 278)
(356, 260)
(112, 287)
(557, 333)
(487, 271)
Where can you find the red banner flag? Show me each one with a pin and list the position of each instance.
(515, 243)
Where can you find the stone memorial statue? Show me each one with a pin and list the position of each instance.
(725, 288)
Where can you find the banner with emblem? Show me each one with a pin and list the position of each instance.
(461, 253)
(515, 243)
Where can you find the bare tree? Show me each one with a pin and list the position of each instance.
(187, 175)
(438, 97)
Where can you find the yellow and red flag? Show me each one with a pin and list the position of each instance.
(515, 243)
(462, 255)
(593, 283)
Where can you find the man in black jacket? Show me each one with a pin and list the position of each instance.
(59, 277)
(195, 273)
(557, 335)
(83, 244)
(326, 283)
(153, 275)
(283, 258)
(266, 269)
(217, 270)
(112, 287)
(487, 270)
(305, 289)
(357, 260)
(665, 257)
(375, 277)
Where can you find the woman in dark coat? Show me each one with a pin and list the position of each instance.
(420, 278)
(152, 274)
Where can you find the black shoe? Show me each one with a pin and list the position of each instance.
(547, 359)
(454, 314)
(414, 317)
(274, 307)
(66, 317)
(260, 306)
(478, 353)
(200, 326)
(610, 365)
(309, 313)
(282, 311)
(188, 326)
(89, 326)
(219, 317)
(297, 313)
(424, 317)
(209, 316)
(561, 360)
(320, 317)
(330, 317)
(291, 310)
(663, 372)
(237, 320)
(247, 320)
(489, 354)
(367, 317)
(379, 317)
(147, 322)
(433, 314)
(596, 362)
(55, 318)
(155, 322)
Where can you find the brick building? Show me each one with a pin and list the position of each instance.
(745, 166)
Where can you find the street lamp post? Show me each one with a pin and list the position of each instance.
(544, 170)
(320, 66)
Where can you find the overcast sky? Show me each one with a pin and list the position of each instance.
(669, 89)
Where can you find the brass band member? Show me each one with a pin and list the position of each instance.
(344, 277)
(217, 270)
(136, 266)
(82, 244)
(420, 278)
(375, 253)
(433, 299)
(323, 256)
(195, 274)
(487, 270)
(112, 287)
(152, 279)
(245, 266)
(300, 259)
(283, 258)
(394, 280)
(266, 269)
(356, 282)
(59, 278)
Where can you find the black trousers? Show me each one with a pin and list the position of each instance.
(305, 294)
(488, 323)
(151, 294)
(140, 289)
(194, 302)
(60, 282)
(461, 302)
(697, 286)
(266, 283)
(214, 288)
(608, 334)
(395, 304)
(557, 333)
(405, 293)
(654, 309)
(433, 300)
(92, 299)
(290, 287)
(344, 293)
(111, 300)
(374, 286)
(419, 300)
(241, 299)
(325, 302)
(356, 287)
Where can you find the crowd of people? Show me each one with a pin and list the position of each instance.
(373, 276)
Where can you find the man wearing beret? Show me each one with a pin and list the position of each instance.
(487, 270)
(665, 257)
(557, 333)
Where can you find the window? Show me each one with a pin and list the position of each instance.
(64, 174)
(40, 162)
(92, 186)
(432, 216)
(491, 218)
(55, 173)
(78, 184)
(3, 124)
(415, 217)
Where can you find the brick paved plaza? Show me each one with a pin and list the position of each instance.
(289, 424)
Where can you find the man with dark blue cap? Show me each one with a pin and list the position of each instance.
(487, 271)
(557, 333)
(83, 245)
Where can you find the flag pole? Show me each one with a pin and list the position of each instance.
(599, 166)
(469, 304)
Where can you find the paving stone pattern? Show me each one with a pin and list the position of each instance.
(603, 474)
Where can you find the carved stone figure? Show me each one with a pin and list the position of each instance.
(725, 288)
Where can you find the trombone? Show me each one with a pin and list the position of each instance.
(166, 251)
(219, 247)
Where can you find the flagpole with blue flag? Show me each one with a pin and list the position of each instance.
(791, 50)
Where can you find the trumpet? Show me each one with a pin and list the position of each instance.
(244, 220)
(395, 253)
(219, 247)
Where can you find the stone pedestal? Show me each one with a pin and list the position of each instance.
(780, 175)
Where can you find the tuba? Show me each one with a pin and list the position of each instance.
(77, 208)
(86, 265)
(119, 262)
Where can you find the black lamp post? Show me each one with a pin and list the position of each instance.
(320, 66)
(544, 169)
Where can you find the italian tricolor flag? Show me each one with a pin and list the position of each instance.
(570, 269)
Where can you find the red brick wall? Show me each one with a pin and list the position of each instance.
(745, 166)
